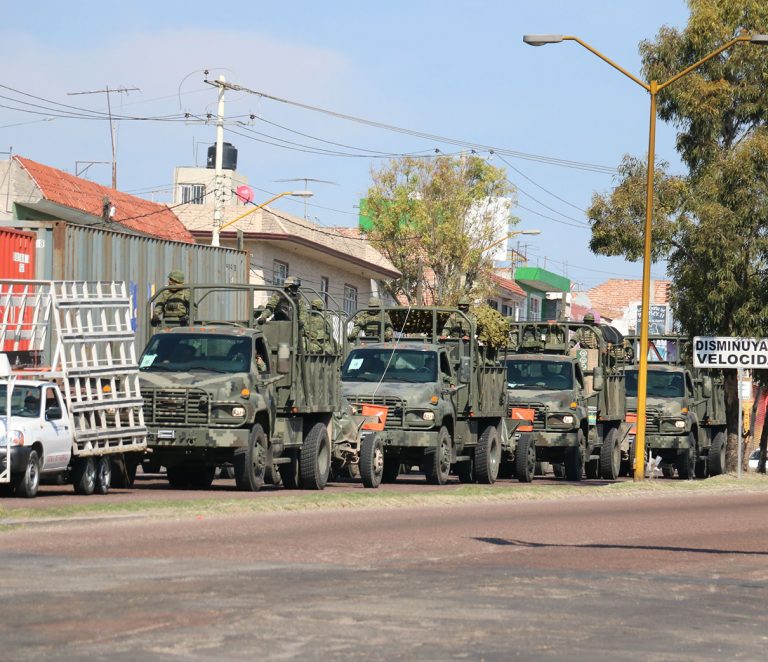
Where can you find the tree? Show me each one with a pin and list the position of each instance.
(439, 217)
(711, 223)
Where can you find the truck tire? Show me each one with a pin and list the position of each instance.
(371, 460)
(250, 463)
(488, 456)
(717, 455)
(686, 460)
(391, 470)
(123, 473)
(103, 475)
(437, 461)
(574, 459)
(315, 458)
(27, 483)
(610, 456)
(273, 475)
(84, 476)
(525, 458)
(289, 471)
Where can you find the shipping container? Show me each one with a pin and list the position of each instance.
(17, 262)
(77, 252)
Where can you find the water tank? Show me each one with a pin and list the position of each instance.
(229, 157)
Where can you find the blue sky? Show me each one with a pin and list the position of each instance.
(455, 69)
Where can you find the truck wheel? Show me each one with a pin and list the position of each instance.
(574, 459)
(27, 483)
(251, 463)
(315, 458)
(610, 456)
(437, 461)
(103, 475)
(686, 460)
(717, 455)
(525, 459)
(123, 472)
(488, 456)
(391, 470)
(289, 472)
(372, 460)
(84, 476)
(273, 475)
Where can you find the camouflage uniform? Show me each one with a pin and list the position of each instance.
(278, 306)
(369, 322)
(172, 304)
(587, 337)
(317, 330)
(456, 326)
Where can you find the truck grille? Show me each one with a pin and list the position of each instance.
(395, 408)
(539, 419)
(652, 419)
(175, 406)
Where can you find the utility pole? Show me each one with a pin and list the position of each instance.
(218, 193)
(106, 90)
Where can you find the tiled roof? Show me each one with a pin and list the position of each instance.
(613, 296)
(276, 225)
(85, 196)
(508, 285)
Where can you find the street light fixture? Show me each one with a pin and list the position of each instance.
(653, 88)
(296, 194)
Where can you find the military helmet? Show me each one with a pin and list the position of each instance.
(176, 277)
(292, 281)
(317, 304)
(464, 301)
(589, 318)
(374, 302)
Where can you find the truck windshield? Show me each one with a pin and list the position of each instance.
(25, 401)
(661, 384)
(400, 365)
(217, 353)
(538, 374)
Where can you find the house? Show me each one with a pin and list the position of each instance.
(37, 192)
(508, 298)
(619, 300)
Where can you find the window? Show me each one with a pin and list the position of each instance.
(350, 299)
(324, 289)
(492, 303)
(535, 309)
(279, 272)
(192, 193)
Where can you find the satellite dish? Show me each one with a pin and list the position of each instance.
(245, 193)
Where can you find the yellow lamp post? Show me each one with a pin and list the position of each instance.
(298, 194)
(653, 88)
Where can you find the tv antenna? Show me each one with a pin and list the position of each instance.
(306, 181)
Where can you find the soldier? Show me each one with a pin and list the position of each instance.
(173, 303)
(318, 333)
(587, 337)
(369, 322)
(456, 326)
(278, 307)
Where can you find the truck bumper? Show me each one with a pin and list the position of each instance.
(663, 441)
(170, 439)
(19, 458)
(409, 438)
(555, 439)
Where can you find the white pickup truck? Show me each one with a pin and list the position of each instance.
(41, 442)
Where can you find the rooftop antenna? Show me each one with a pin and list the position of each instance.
(306, 181)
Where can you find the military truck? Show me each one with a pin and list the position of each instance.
(685, 409)
(570, 400)
(226, 389)
(442, 399)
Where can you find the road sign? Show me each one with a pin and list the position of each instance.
(720, 352)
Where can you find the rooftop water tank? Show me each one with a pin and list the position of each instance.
(229, 157)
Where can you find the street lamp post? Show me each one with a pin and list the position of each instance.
(296, 194)
(653, 88)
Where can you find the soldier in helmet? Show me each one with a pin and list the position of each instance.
(456, 326)
(318, 331)
(587, 337)
(172, 304)
(278, 306)
(369, 322)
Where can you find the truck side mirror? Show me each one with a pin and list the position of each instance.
(597, 381)
(465, 370)
(283, 358)
(706, 387)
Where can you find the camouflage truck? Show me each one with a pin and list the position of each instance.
(571, 400)
(442, 399)
(219, 388)
(685, 409)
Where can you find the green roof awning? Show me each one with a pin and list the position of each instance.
(541, 279)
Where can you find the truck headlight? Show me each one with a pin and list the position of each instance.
(238, 412)
(428, 416)
(568, 420)
(680, 424)
(17, 438)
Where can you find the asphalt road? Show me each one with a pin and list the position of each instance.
(662, 577)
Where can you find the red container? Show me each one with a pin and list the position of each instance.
(17, 262)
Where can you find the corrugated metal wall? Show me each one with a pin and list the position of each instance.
(17, 254)
(77, 252)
